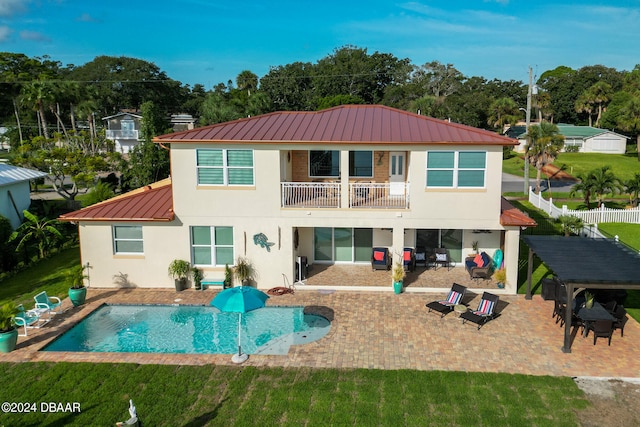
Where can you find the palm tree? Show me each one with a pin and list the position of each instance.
(569, 224)
(632, 187)
(604, 182)
(41, 231)
(585, 187)
(38, 93)
(502, 111)
(600, 94)
(545, 142)
(583, 105)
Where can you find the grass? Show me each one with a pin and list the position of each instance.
(229, 396)
(45, 275)
(623, 165)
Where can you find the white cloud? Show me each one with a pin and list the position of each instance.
(12, 7)
(33, 36)
(5, 32)
(85, 17)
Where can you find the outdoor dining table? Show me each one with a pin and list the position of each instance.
(596, 312)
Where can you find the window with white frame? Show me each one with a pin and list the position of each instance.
(224, 167)
(456, 169)
(212, 245)
(127, 239)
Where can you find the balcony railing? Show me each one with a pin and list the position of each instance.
(122, 134)
(311, 194)
(379, 195)
(361, 195)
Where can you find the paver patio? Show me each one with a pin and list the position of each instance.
(381, 330)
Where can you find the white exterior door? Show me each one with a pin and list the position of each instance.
(397, 172)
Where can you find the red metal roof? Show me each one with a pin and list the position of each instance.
(511, 216)
(370, 124)
(151, 203)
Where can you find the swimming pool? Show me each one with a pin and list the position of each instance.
(190, 329)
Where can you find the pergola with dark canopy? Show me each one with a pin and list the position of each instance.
(581, 262)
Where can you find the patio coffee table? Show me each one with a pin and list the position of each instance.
(460, 308)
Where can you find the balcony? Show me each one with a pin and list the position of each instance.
(362, 195)
(122, 134)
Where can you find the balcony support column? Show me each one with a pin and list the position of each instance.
(344, 178)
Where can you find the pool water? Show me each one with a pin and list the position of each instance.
(190, 329)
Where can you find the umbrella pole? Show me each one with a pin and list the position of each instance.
(239, 358)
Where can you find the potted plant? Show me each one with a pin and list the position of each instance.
(74, 279)
(228, 277)
(179, 271)
(8, 330)
(397, 275)
(500, 276)
(588, 299)
(243, 271)
(474, 245)
(197, 275)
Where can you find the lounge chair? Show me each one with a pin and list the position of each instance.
(380, 259)
(29, 319)
(53, 304)
(485, 311)
(446, 306)
(479, 266)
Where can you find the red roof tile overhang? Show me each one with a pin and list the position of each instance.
(510, 216)
(152, 203)
(345, 124)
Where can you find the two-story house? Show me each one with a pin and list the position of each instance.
(124, 130)
(327, 185)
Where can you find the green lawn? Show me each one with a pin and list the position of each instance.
(623, 165)
(45, 275)
(242, 396)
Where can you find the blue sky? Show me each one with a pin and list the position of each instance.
(209, 41)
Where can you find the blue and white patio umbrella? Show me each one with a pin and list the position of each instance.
(240, 299)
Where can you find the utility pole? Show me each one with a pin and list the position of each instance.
(526, 147)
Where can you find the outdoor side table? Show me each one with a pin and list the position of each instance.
(460, 308)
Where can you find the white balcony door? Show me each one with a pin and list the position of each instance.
(397, 172)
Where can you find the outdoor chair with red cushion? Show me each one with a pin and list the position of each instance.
(445, 306)
(484, 313)
(380, 259)
(409, 259)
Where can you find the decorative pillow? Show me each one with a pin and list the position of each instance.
(420, 256)
(407, 255)
(478, 260)
(441, 257)
(485, 258)
(378, 255)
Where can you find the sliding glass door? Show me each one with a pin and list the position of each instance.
(342, 244)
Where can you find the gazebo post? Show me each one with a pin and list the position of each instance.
(529, 272)
(568, 313)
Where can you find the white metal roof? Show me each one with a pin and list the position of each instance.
(12, 174)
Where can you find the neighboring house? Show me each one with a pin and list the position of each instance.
(124, 130)
(180, 122)
(15, 191)
(327, 185)
(588, 140)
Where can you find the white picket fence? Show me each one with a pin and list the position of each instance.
(593, 216)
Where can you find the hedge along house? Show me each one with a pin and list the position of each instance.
(327, 185)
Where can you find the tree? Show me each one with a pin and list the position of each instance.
(603, 181)
(99, 193)
(502, 111)
(38, 94)
(629, 118)
(42, 232)
(438, 79)
(595, 97)
(148, 162)
(545, 143)
(289, 86)
(632, 187)
(584, 187)
(569, 224)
